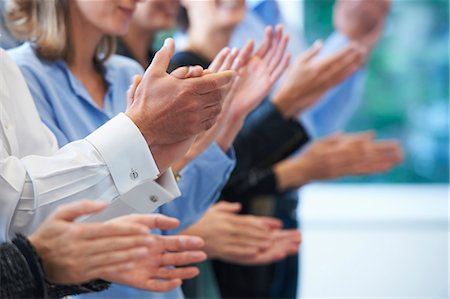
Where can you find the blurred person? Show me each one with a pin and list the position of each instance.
(210, 25)
(36, 177)
(66, 258)
(73, 76)
(355, 21)
(153, 16)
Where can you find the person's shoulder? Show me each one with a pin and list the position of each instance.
(24, 55)
(123, 64)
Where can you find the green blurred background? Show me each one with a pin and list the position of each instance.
(407, 86)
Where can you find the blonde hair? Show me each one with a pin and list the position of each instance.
(45, 23)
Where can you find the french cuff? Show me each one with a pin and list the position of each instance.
(125, 152)
(145, 198)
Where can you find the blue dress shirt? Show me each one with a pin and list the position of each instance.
(67, 109)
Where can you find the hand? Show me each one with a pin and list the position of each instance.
(229, 236)
(361, 20)
(169, 110)
(258, 74)
(74, 253)
(309, 78)
(338, 156)
(226, 59)
(261, 71)
(285, 243)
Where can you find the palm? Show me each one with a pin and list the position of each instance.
(254, 84)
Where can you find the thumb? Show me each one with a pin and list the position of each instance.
(230, 207)
(72, 211)
(162, 58)
(311, 52)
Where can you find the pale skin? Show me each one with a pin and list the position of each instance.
(120, 250)
(190, 106)
(337, 156)
(362, 21)
(243, 239)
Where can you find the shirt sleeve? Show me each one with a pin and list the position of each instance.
(99, 167)
(201, 183)
(336, 107)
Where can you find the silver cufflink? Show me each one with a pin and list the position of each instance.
(133, 174)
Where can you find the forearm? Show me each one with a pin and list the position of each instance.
(23, 276)
(98, 167)
(17, 278)
(258, 146)
(289, 177)
(230, 131)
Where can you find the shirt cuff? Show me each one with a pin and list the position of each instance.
(125, 152)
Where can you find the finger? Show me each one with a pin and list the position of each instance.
(243, 56)
(212, 82)
(132, 89)
(181, 243)
(181, 72)
(106, 245)
(272, 223)
(110, 271)
(230, 207)
(115, 257)
(177, 273)
(229, 60)
(266, 44)
(149, 220)
(238, 252)
(183, 258)
(275, 43)
(219, 60)
(279, 54)
(160, 285)
(281, 68)
(103, 230)
(311, 52)
(339, 60)
(72, 211)
(162, 58)
(194, 71)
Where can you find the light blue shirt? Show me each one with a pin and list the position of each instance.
(68, 110)
(334, 110)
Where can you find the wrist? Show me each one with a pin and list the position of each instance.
(281, 101)
(230, 131)
(139, 122)
(290, 174)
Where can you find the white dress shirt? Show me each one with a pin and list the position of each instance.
(113, 164)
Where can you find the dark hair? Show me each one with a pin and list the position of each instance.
(183, 19)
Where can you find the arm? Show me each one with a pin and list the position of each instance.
(257, 149)
(96, 166)
(359, 21)
(334, 109)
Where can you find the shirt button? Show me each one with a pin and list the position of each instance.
(6, 125)
(153, 198)
(133, 174)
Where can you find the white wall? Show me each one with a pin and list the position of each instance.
(377, 241)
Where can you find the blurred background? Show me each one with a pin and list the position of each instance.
(386, 236)
(407, 85)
